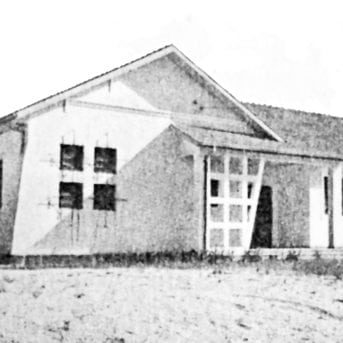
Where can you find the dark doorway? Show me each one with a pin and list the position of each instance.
(262, 236)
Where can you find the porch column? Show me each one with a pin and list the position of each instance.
(330, 195)
(335, 219)
(200, 169)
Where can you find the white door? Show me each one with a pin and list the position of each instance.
(319, 219)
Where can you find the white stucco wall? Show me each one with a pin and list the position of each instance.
(126, 132)
(117, 93)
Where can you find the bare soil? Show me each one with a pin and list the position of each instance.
(236, 304)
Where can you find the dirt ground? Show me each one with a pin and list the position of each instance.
(237, 304)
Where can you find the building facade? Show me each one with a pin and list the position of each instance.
(156, 156)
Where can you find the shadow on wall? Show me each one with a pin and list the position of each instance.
(154, 207)
(82, 231)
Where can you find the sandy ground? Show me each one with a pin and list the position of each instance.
(239, 304)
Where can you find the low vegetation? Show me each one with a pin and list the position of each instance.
(182, 260)
(319, 266)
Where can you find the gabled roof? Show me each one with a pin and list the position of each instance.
(293, 132)
(59, 98)
(303, 130)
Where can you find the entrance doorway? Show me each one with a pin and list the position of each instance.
(262, 236)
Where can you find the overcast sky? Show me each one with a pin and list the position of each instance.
(285, 53)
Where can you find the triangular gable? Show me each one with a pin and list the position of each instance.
(126, 72)
(225, 95)
(117, 94)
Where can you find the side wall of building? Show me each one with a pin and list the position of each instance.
(11, 154)
(158, 211)
(41, 226)
(290, 188)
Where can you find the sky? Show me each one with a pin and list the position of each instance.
(282, 53)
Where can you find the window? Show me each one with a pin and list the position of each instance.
(217, 213)
(104, 197)
(217, 164)
(236, 213)
(236, 165)
(250, 189)
(235, 238)
(326, 194)
(105, 160)
(1, 177)
(71, 157)
(216, 188)
(71, 195)
(235, 189)
(249, 213)
(253, 165)
(216, 238)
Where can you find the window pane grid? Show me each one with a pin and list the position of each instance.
(71, 157)
(216, 188)
(216, 238)
(104, 197)
(239, 178)
(105, 160)
(217, 164)
(70, 195)
(253, 166)
(235, 238)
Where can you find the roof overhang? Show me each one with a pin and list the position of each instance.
(216, 140)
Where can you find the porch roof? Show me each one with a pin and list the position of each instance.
(304, 134)
(319, 133)
(209, 137)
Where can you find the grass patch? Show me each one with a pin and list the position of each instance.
(171, 259)
(320, 267)
(181, 260)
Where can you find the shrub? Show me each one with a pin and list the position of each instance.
(317, 255)
(5, 259)
(292, 256)
(251, 257)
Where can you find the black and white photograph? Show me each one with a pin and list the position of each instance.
(171, 171)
